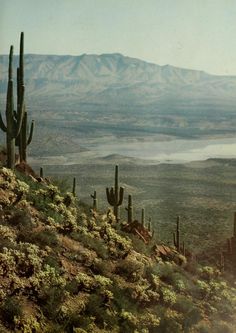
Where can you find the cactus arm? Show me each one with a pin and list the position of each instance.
(21, 59)
(31, 133)
(174, 239)
(110, 196)
(121, 196)
(2, 125)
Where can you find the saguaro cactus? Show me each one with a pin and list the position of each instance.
(41, 172)
(130, 209)
(115, 195)
(74, 187)
(13, 119)
(23, 139)
(176, 236)
(95, 200)
(143, 217)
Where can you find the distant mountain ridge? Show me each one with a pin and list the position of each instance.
(114, 78)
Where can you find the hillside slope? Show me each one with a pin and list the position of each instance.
(64, 269)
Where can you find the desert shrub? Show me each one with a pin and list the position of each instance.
(97, 308)
(170, 321)
(131, 268)
(45, 238)
(103, 267)
(10, 309)
(128, 321)
(62, 183)
(20, 218)
(208, 273)
(223, 327)
(168, 295)
(72, 287)
(28, 324)
(50, 301)
(7, 237)
(166, 271)
(142, 293)
(92, 243)
(52, 261)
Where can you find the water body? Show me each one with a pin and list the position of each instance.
(176, 151)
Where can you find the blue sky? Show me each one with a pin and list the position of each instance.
(197, 34)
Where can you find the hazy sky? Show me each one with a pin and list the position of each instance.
(197, 34)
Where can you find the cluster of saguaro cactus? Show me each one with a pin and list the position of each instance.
(176, 238)
(95, 200)
(16, 127)
(115, 195)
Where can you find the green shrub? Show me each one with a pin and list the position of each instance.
(50, 301)
(10, 309)
(45, 238)
(52, 261)
(131, 268)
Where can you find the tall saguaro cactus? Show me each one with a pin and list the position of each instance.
(115, 195)
(13, 119)
(24, 138)
(130, 209)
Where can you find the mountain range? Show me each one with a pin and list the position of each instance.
(114, 78)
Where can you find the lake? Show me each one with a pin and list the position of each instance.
(174, 151)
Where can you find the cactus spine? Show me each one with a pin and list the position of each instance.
(13, 119)
(176, 236)
(130, 209)
(115, 195)
(23, 140)
(95, 200)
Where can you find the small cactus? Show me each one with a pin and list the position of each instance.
(115, 195)
(95, 201)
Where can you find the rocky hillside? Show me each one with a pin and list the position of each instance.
(67, 268)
